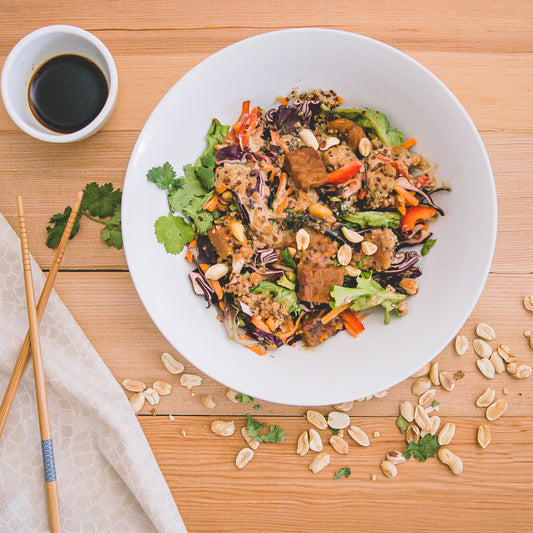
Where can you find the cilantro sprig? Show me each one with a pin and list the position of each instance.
(188, 194)
(253, 426)
(100, 203)
(423, 449)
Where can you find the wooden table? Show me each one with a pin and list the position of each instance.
(483, 51)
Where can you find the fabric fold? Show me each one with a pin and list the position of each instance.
(107, 475)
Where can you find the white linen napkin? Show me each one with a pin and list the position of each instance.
(107, 476)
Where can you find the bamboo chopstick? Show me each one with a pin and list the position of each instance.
(24, 353)
(50, 479)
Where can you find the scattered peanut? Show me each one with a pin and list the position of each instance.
(339, 444)
(344, 407)
(365, 146)
(137, 401)
(482, 348)
(506, 354)
(319, 462)
(303, 444)
(222, 428)
(497, 362)
(162, 387)
(447, 381)
(519, 370)
(407, 410)
(368, 248)
(409, 285)
(389, 469)
(216, 271)
(317, 419)
(173, 366)
(486, 397)
(151, 396)
(352, 235)
(302, 239)
(344, 255)
(244, 457)
(421, 385)
(320, 211)
(359, 436)
(485, 331)
(483, 435)
(133, 386)
(251, 442)
(315, 440)
(446, 434)
(495, 410)
(528, 303)
(338, 420)
(486, 368)
(461, 344)
(434, 374)
(452, 461)
(424, 371)
(309, 139)
(190, 380)
(207, 401)
(395, 457)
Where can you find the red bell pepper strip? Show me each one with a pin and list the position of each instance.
(345, 173)
(414, 214)
(400, 166)
(421, 181)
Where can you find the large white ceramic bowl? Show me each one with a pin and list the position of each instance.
(364, 72)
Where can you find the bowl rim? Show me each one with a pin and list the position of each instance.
(105, 112)
(483, 274)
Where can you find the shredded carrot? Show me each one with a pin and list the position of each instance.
(276, 139)
(340, 99)
(222, 305)
(284, 101)
(289, 191)
(285, 336)
(408, 143)
(282, 183)
(334, 312)
(350, 330)
(259, 350)
(221, 188)
(401, 205)
(271, 323)
(410, 198)
(259, 324)
(352, 323)
(203, 267)
(361, 194)
(218, 289)
(188, 256)
(282, 205)
(211, 204)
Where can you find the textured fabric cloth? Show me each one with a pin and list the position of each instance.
(107, 476)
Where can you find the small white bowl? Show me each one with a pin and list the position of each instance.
(35, 49)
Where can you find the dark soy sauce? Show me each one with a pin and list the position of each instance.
(67, 92)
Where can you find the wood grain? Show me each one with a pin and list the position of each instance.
(483, 51)
(277, 492)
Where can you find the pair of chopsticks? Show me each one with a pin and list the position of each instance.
(32, 340)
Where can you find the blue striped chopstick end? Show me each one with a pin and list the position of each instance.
(48, 460)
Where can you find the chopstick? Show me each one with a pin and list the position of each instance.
(50, 479)
(24, 353)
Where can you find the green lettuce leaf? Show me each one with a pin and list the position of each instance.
(367, 294)
(281, 295)
(374, 219)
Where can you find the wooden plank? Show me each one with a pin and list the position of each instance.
(276, 491)
(29, 165)
(104, 300)
(455, 25)
(145, 78)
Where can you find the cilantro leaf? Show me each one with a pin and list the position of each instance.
(163, 177)
(257, 407)
(58, 223)
(402, 423)
(244, 398)
(253, 426)
(426, 447)
(333, 430)
(173, 232)
(427, 246)
(100, 200)
(435, 403)
(343, 472)
(275, 434)
(100, 203)
(375, 120)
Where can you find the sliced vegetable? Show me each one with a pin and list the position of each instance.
(345, 173)
(374, 219)
(415, 214)
(330, 315)
(408, 143)
(427, 246)
(406, 195)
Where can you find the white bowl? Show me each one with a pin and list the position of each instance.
(364, 72)
(35, 49)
